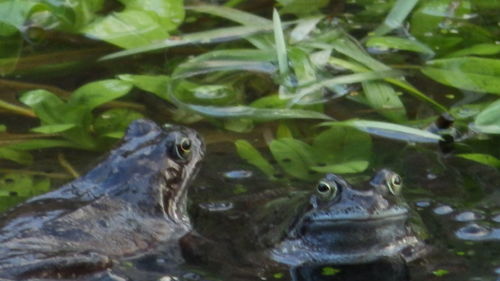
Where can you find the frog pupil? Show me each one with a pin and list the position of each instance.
(185, 145)
(396, 180)
(322, 187)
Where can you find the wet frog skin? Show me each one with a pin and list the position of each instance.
(343, 225)
(124, 207)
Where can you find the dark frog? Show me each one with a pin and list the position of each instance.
(338, 224)
(124, 207)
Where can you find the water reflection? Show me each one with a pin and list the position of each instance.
(383, 270)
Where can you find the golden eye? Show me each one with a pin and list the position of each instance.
(395, 183)
(183, 148)
(326, 191)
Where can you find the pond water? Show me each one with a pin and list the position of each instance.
(455, 201)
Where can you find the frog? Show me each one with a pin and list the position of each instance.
(125, 207)
(339, 224)
(297, 228)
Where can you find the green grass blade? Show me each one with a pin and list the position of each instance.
(396, 16)
(205, 37)
(279, 39)
(231, 14)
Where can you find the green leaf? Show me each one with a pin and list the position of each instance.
(279, 40)
(400, 10)
(251, 155)
(252, 113)
(488, 120)
(47, 106)
(3, 128)
(478, 50)
(17, 156)
(349, 167)
(239, 125)
(485, 159)
(389, 130)
(14, 13)
(10, 51)
(235, 15)
(440, 272)
(294, 157)
(204, 37)
(469, 73)
(22, 185)
(127, 29)
(155, 84)
(42, 143)
(54, 128)
(212, 94)
(382, 97)
(342, 150)
(168, 13)
(309, 94)
(397, 43)
(301, 7)
(113, 123)
(329, 271)
(97, 93)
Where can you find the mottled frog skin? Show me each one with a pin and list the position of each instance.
(123, 208)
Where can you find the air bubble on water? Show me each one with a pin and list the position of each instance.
(431, 176)
(468, 216)
(217, 206)
(497, 270)
(473, 231)
(443, 210)
(496, 218)
(423, 203)
(238, 174)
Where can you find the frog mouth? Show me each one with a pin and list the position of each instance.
(360, 218)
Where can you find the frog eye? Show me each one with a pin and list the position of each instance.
(182, 148)
(394, 184)
(326, 190)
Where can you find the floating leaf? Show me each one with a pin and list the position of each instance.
(247, 152)
(469, 73)
(485, 159)
(440, 272)
(294, 157)
(488, 120)
(16, 187)
(17, 156)
(342, 150)
(329, 271)
(389, 130)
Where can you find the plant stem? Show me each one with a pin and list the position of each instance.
(17, 109)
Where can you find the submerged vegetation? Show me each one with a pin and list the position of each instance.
(81, 68)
